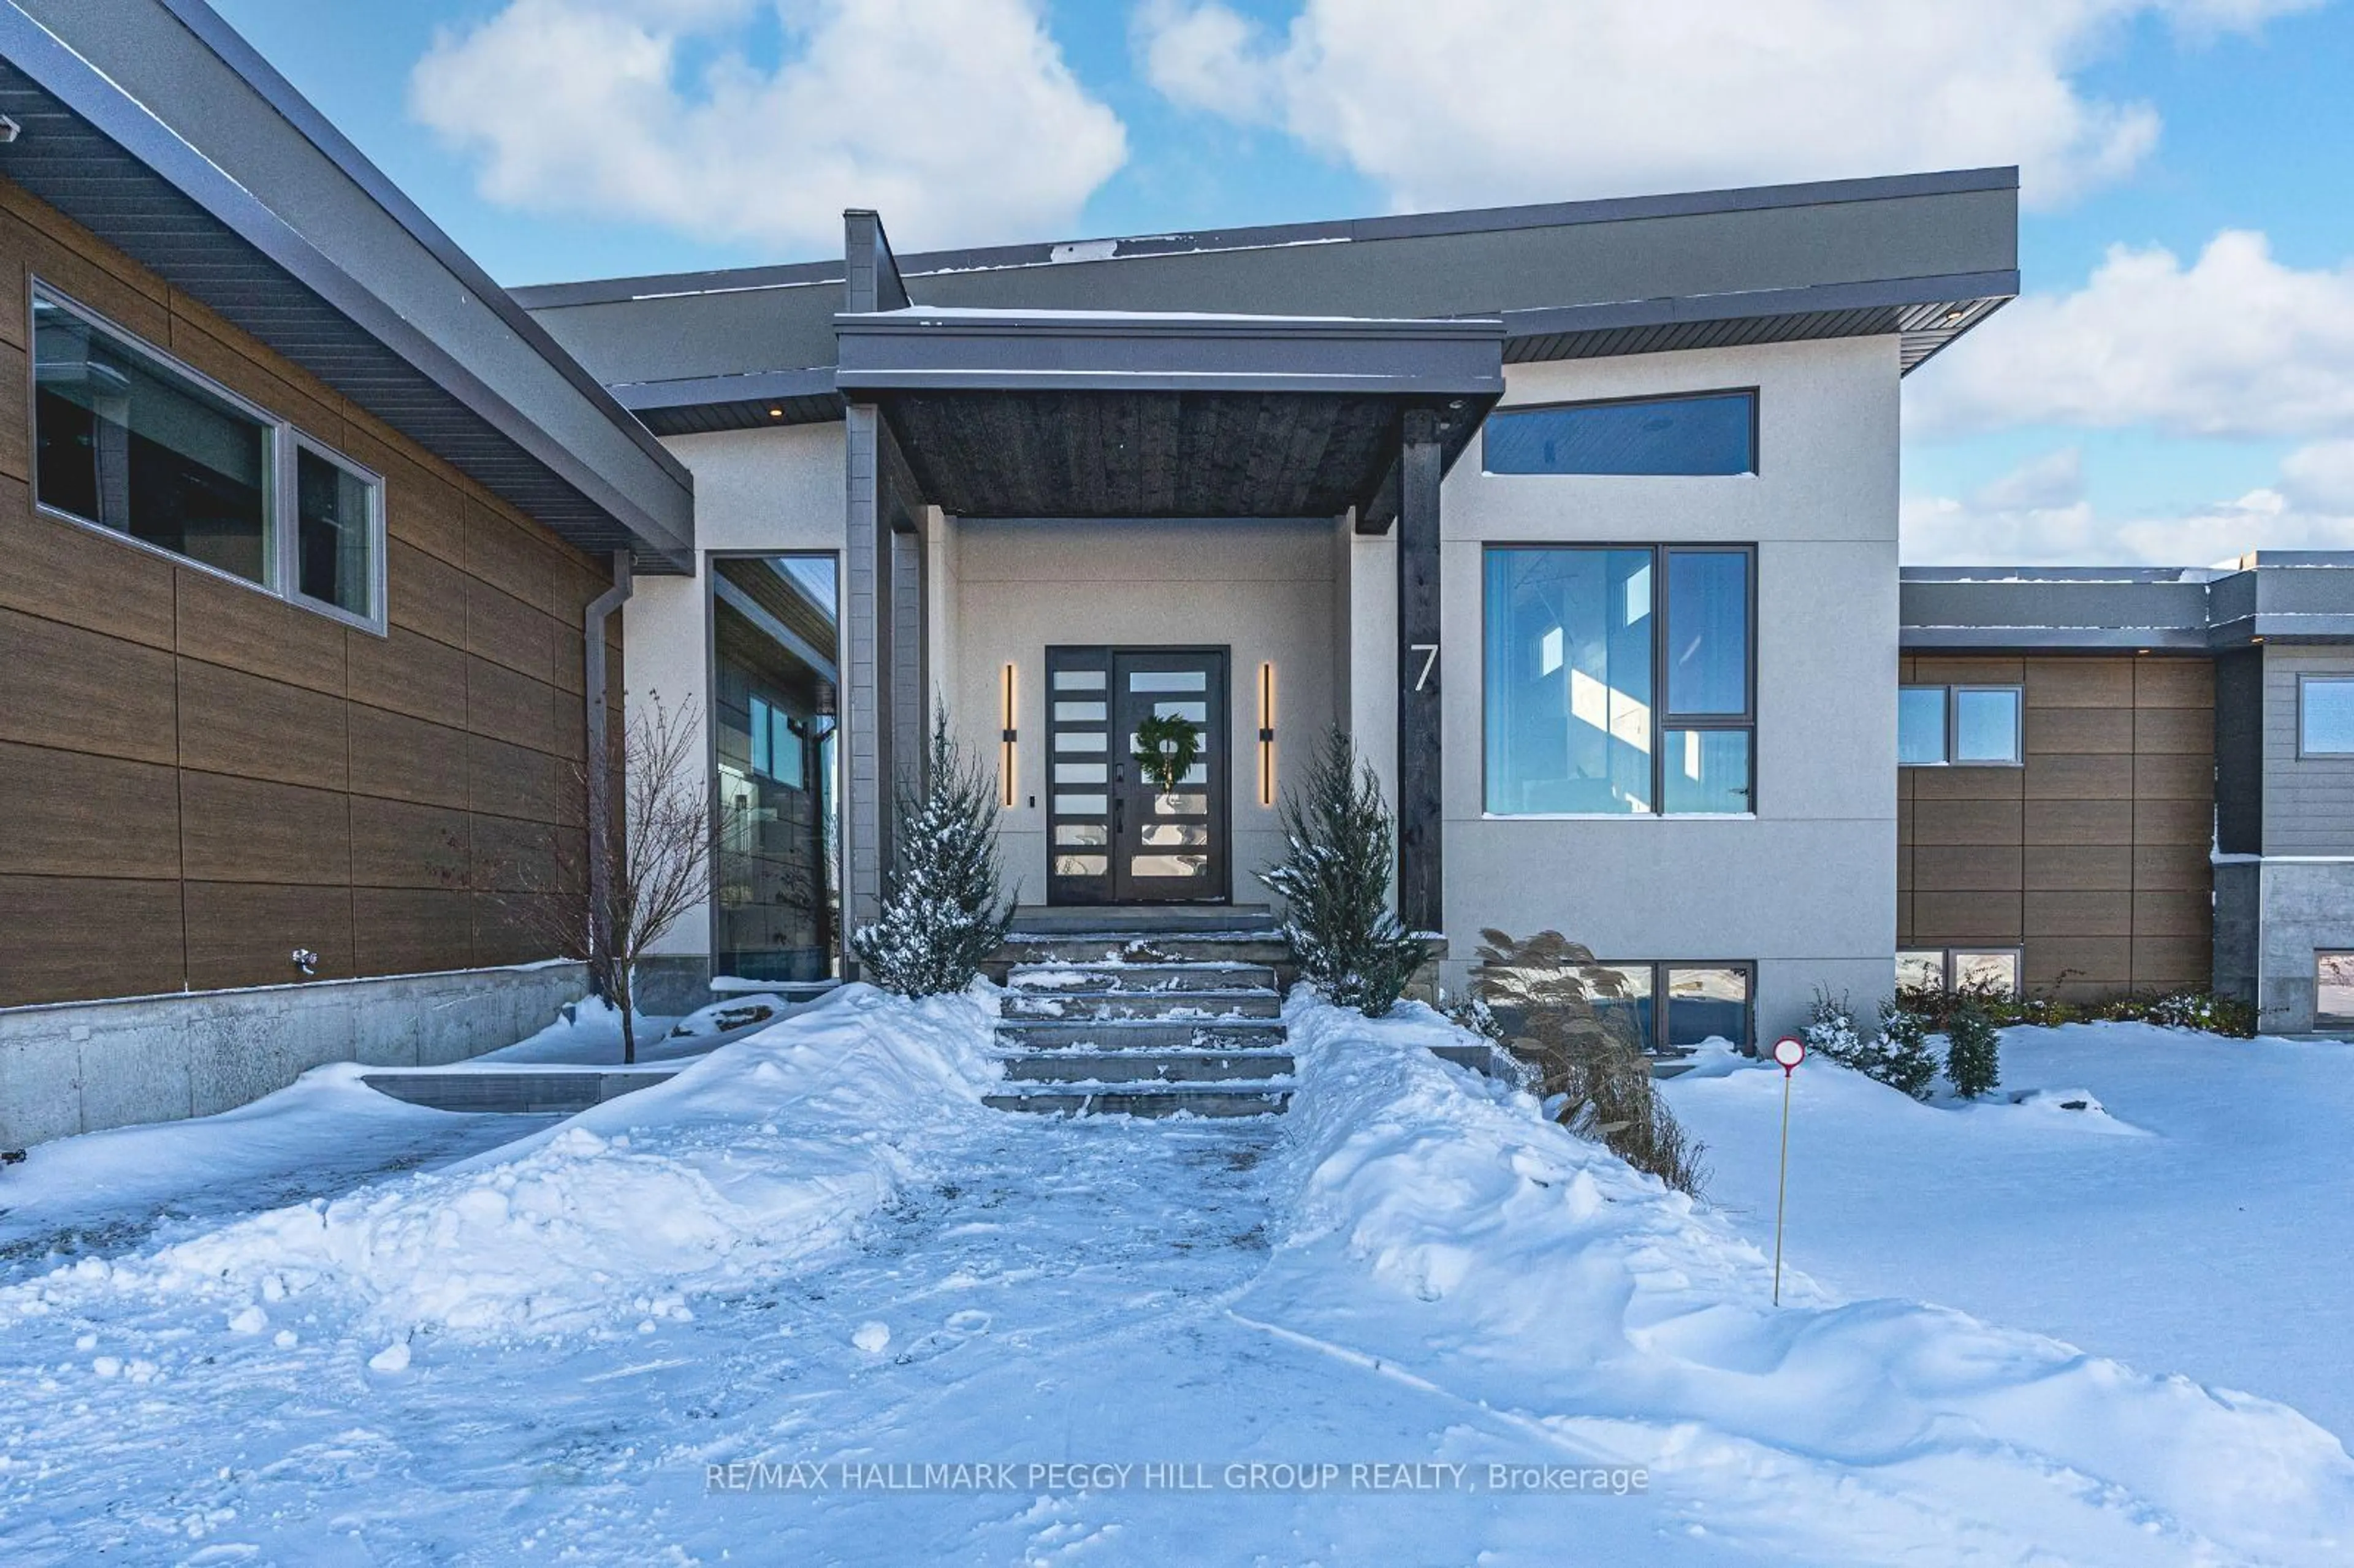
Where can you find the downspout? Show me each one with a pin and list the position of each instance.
(601, 780)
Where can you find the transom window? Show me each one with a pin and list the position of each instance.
(1958, 727)
(2324, 716)
(1619, 680)
(1693, 433)
(129, 440)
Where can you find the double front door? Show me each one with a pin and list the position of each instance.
(1114, 836)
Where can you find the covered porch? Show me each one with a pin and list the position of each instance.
(1061, 522)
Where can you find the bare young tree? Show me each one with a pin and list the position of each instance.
(656, 856)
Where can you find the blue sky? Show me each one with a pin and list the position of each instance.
(2142, 123)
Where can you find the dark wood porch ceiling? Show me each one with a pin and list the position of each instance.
(1158, 453)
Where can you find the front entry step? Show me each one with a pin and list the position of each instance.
(1124, 1023)
(1148, 1100)
(1149, 1066)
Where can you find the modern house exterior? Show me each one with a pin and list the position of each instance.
(320, 553)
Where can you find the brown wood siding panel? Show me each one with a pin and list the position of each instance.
(2185, 913)
(245, 933)
(2080, 821)
(2079, 776)
(310, 782)
(2170, 963)
(507, 631)
(255, 728)
(2174, 683)
(1966, 822)
(250, 830)
(72, 814)
(512, 856)
(241, 628)
(426, 596)
(396, 843)
(2079, 730)
(1967, 868)
(2053, 914)
(408, 672)
(412, 930)
(505, 930)
(1966, 783)
(2174, 777)
(2172, 867)
(2186, 822)
(73, 690)
(2095, 965)
(2080, 683)
(2181, 731)
(396, 758)
(65, 939)
(81, 576)
(2080, 868)
(1945, 917)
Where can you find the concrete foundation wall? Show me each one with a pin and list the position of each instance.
(1806, 887)
(2307, 906)
(86, 1067)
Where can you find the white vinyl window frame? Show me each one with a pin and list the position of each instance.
(281, 530)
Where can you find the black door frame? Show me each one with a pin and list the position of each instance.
(1107, 887)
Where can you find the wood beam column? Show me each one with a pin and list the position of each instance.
(865, 693)
(1421, 886)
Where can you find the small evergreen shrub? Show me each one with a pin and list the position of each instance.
(2201, 1010)
(1539, 997)
(1903, 1060)
(1335, 884)
(1831, 1031)
(1973, 1051)
(944, 909)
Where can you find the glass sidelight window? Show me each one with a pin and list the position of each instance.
(777, 879)
(129, 440)
(1620, 680)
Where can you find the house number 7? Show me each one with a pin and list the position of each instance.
(1430, 651)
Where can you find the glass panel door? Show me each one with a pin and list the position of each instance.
(1169, 845)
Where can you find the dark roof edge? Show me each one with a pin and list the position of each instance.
(1806, 299)
(774, 385)
(298, 111)
(1602, 209)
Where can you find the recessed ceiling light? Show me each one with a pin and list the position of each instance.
(776, 413)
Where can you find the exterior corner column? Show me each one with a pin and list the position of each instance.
(865, 696)
(1420, 722)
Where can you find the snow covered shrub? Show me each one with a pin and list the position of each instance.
(944, 908)
(2201, 1010)
(1335, 884)
(1900, 1056)
(1540, 995)
(1973, 1051)
(1831, 1031)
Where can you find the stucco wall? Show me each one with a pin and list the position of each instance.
(1266, 590)
(1806, 888)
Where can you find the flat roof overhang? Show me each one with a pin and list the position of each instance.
(154, 125)
(2285, 597)
(1115, 414)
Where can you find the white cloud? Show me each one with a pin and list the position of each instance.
(2037, 516)
(958, 119)
(2235, 344)
(1500, 100)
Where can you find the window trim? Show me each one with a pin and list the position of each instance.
(1662, 720)
(2304, 679)
(281, 526)
(1954, 723)
(1754, 392)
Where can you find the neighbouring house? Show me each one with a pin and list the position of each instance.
(322, 551)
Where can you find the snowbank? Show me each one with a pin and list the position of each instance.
(1533, 1271)
(752, 1161)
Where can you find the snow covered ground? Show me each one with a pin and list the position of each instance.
(814, 1248)
(2202, 1221)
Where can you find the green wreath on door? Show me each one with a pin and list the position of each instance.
(1167, 747)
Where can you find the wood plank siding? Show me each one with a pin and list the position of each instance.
(197, 777)
(2092, 857)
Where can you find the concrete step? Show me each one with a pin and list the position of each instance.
(1241, 1068)
(1142, 919)
(558, 1090)
(1143, 1100)
(1056, 980)
(1081, 1006)
(1138, 1034)
(1265, 949)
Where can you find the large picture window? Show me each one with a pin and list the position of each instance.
(1670, 1008)
(1694, 434)
(128, 439)
(2325, 724)
(1620, 680)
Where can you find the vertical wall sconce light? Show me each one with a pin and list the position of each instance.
(1005, 743)
(1267, 735)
